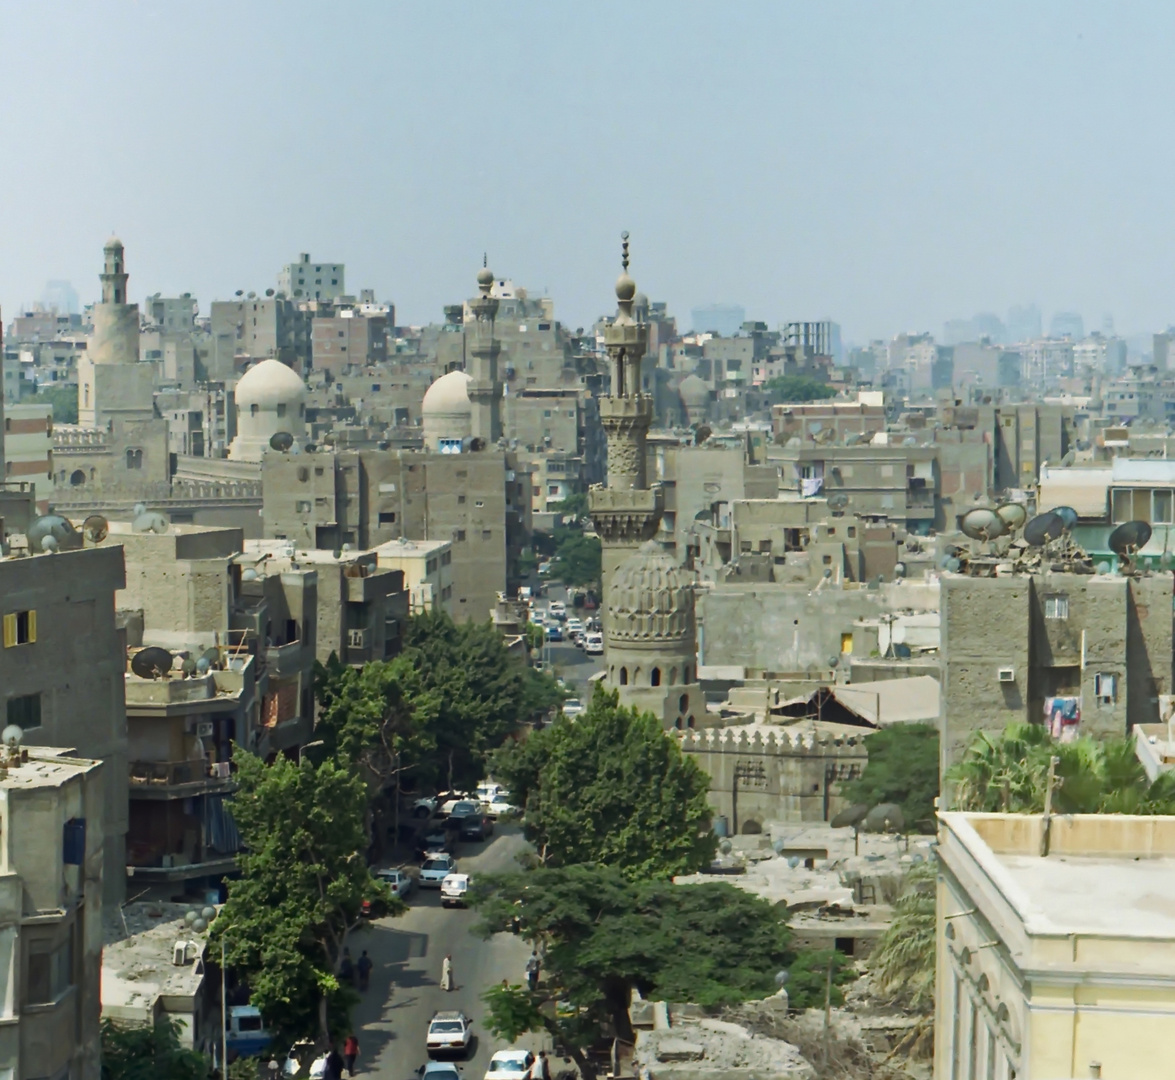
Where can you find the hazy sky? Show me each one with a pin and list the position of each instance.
(889, 165)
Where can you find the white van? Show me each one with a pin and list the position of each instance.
(593, 644)
(454, 890)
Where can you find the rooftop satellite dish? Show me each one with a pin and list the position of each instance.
(1069, 458)
(850, 815)
(151, 663)
(11, 736)
(793, 861)
(211, 655)
(249, 573)
(1043, 528)
(95, 528)
(52, 533)
(982, 523)
(884, 817)
(899, 570)
(726, 847)
(150, 522)
(1013, 515)
(269, 292)
(1067, 515)
(188, 667)
(1126, 539)
(281, 441)
(834, 660)
(140, 508)
(203, 666)
(838, 500)
(910, 441)
(781, 977)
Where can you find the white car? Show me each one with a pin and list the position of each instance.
(573, 707)
(435, 869)
(425, 807)
(574, 626)
(510, 1065)
(453, 800)
(557, 610)
(399, 881)
(449, 1032)
(500, 804)
(593, 644)
(487, 789)
(455, 890)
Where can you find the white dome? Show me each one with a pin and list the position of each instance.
(694, 391)
(448, 396)
(268, 384)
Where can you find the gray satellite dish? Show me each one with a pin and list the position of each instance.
(982, 523)
(140, 508)
(281, 441)
(53, 533)
(151, 663)
(150, 522)
(884, 817)
(1067, 515)
(1013, 515)
(899, 570)
(95, 528)
(203, 666)
(1043, 528)
(952, 564)
(1126, 539)
(850, 815)
(834, 660)
(838, 500)
(188, 667)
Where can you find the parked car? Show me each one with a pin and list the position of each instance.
(245, 1033)
(301, 1054)
(454, 890)
(449, 1032)
(424, 807)
(554, 632)
(466, 808)
(437, 841)
(487, 789)
(574, 626)
(477, 826)
(557, 610)
(435, 869)
(545, 568)
(510, 1065)
(500, 804)
(439, 1070)
(572, 708)
(399, 881)
(593, 644)
(452, 798)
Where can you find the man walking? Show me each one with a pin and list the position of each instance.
(351, 1051)
(533, 965)
(447, 973)
(364, 969)
(541, 1069)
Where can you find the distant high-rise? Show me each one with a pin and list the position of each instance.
(1067, 324)
(1023, 323)
(724, 319)
(306, 280)
(60, 296)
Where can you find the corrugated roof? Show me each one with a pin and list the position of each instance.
(893, 701)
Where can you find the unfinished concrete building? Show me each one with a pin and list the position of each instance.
(51, 886)
(1087, 654)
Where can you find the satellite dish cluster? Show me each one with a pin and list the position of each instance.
(52, 532)
(156, 663)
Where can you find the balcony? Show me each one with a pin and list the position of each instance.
(178, 779)
(213, 866)
(284, 660)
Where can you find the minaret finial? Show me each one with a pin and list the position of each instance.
(485, 259)
(624, 250)
(625, 286)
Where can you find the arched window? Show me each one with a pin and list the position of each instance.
(655, 677)
(77, 477)
(690, 721)
(683, 702)
(254, 409)
(677, 723)
(624, 676)
(134, 458)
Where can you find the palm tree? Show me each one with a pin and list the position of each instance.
(902, 964)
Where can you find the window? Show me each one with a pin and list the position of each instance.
(1161, 507)
(25, 712)
(1104, 687)
(254, 409)
(20, 628)
(134, 459)
(655, 677)
(1056, 607)
(387, 517)
(460, 500)
(460, 537)
(446, 558)
(281, 408)
(50, 972)
(852, 532)
(302, 506)
(487, 534)
(430, 567)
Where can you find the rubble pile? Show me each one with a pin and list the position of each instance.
(709, 1049)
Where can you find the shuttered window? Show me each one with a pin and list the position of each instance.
(20, 628)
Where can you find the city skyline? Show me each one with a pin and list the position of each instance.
(795, 161)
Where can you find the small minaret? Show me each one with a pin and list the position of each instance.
(626, 512)
(113, 273)
(485, 389)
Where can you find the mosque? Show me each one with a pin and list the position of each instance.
(270, 399)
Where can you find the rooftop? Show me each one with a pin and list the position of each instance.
(46, 767)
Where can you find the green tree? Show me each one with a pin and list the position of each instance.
(303, 882)
(789, 389)
(808, 979)
(574, 506)
(1009, 773)
(140, 1052)
(63, 399)
(578, 558)
(611, 787)
(903, 768)
(604, 935)
(902, 964)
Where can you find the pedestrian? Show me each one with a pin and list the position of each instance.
(333, 1070)
(541, 1069)
(351, 1051)
(347, 968)
(533, 966)
(447, 973)
(364, 969)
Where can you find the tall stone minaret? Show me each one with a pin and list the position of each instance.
(625, 512)
(114, 273)
(485, 388)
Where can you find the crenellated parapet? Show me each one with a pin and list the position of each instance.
(781, 743)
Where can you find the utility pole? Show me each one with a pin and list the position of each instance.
(1047, 822)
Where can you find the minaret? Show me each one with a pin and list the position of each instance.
(113, 273)
(485, 388)
(626, 512)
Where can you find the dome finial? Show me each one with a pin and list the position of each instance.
(625, 286)
(485, 276)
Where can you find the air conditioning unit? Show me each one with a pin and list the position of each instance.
(205, 729)
(1006, 674)
(356, 639)
(179, 955)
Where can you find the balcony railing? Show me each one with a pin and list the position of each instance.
(190, 777)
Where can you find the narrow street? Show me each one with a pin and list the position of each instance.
(392, 1020)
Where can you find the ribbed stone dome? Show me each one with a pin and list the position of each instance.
(650, 598)
(694, 391)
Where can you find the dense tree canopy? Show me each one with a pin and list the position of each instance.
(63, 399)
(1009, 772)
(605, 935)
(903, 768)
(796, 389)
(303, 881)
(611, 787)
(902, 965)
(578, 558)
(140, 1052)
